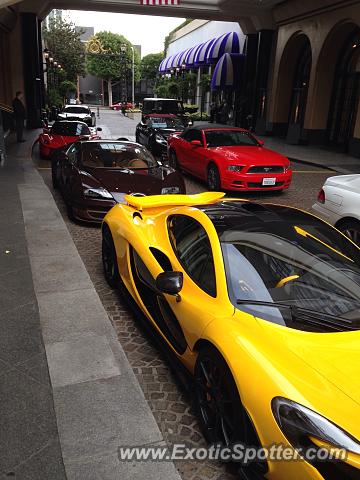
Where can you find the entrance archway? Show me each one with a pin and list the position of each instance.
(346, 91)
(292, 86)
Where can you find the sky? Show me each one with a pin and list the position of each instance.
(144, 30)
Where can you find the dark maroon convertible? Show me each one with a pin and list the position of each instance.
(95, 175)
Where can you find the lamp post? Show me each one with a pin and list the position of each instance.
(133, 76)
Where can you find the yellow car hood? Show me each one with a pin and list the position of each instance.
(335, 356)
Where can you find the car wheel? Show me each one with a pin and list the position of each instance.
(173, 161)
(54, 179)
(109, 260)
(351, 228)
(222, 416)
(70, 212)
(213, 178)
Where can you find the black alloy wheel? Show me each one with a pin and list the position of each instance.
(109, 260)
(223, 418)
(213, 178)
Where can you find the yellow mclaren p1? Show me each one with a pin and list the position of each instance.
(261, 304)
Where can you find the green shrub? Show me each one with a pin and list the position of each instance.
(197, 116)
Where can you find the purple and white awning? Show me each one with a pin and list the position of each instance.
(228, 72)
(204, 53)
(227, 43)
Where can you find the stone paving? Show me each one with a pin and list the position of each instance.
(170, 404)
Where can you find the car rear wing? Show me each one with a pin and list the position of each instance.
(155, 201)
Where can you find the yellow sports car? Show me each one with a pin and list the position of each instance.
(261, 304)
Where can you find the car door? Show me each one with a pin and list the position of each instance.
(196, 155)
(183, 148)
(70, 172)
(199, 296)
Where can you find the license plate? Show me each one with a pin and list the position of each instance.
(269, 181)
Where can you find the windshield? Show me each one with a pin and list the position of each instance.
(117, 155)
(68, 129)
(227, 138)
(166, 122)
(309, 266)
(78, 110)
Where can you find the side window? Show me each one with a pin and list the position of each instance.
(73, 153)
(192, 247)
(189, 135)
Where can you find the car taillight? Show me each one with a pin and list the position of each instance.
(321, 196)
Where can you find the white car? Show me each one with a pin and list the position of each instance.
(338, 203)
(78, 112)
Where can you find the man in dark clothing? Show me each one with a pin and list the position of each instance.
(20, 115)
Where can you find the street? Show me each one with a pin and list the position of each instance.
(169, 403)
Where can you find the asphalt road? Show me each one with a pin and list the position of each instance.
(170, 404)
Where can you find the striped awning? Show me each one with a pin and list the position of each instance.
(227, 43)
(228, 72)
(204, 53)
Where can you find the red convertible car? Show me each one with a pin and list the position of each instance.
(64, 133)
(228, 158)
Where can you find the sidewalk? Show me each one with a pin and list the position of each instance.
(68, 396)
(321, 157)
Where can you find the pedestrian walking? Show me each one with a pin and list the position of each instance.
(19, 115)
(123, 108)
(224, 113)
(213, 109)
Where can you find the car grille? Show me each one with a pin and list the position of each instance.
(260, 185)
(266, 169)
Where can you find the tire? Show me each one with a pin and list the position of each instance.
(213, 178)
(212, 380)
(110, 266)
(218, 403)
(173, 161)
(350, 228)
(70, 212)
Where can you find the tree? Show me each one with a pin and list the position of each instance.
(105, 58)
(63, 40)
(150, 66)
(66, 87)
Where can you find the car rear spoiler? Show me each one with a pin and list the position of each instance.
(155, 201)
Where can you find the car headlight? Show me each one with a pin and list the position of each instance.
(97, 193)
(287, 168)
(170, 190)
(235, 168)
(299, 424)
(160, 139)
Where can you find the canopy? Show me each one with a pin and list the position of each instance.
(228, 72)
(204, 53)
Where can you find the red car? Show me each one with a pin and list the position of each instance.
(228, 158)
(118, 106)
(64, 133)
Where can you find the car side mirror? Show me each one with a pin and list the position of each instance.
(196, 143)
(170, 282)
(99, 129)
(261, 142)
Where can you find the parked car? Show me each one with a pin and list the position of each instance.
(118, 106)
(338, 203)
(154, 130)
(94, 176)
(167, 106)
(64, 133)
(229, 158)
(260, 306)
(78, 112)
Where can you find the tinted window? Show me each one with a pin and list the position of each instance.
(117, 155)
(70, 129)
(191, 135)
(222, 138)
(163, 106)
(307, 265)
(192, 247)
